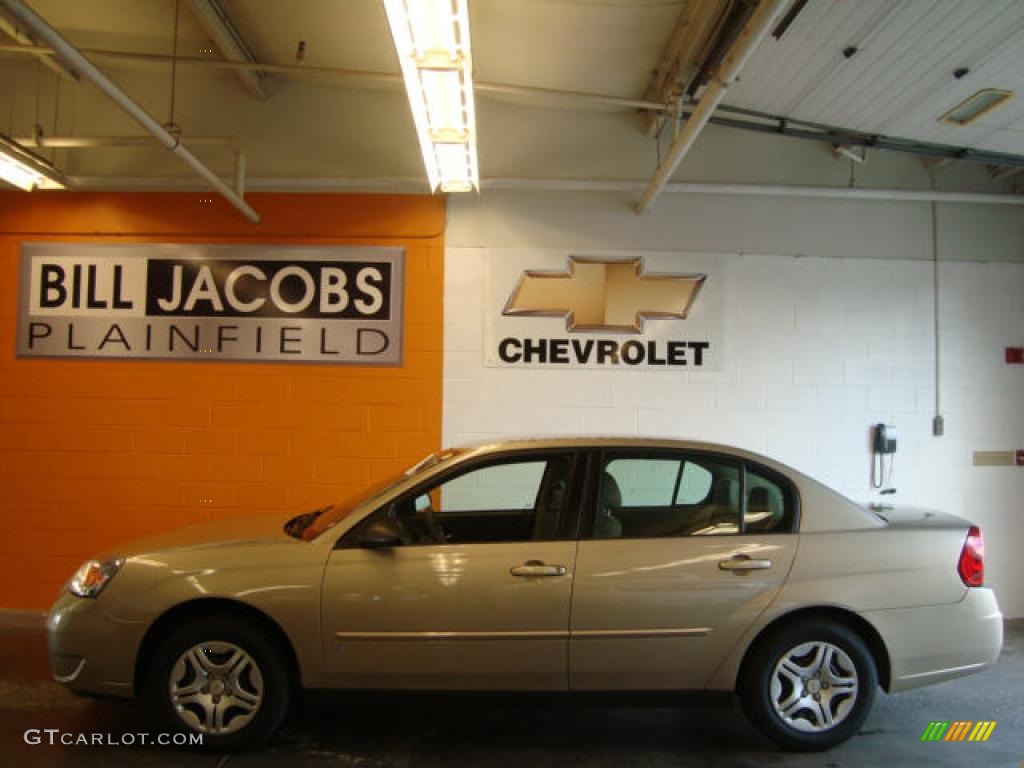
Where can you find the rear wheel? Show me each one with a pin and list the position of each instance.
(809, 686)
(221, 678)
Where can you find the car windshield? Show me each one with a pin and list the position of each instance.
(312, 524)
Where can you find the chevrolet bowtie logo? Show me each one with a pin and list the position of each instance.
(596, 295)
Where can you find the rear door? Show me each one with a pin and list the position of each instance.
(680, 553)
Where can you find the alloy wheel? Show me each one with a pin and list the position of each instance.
(814, 687)
(216, 688)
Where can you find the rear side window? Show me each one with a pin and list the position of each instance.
(682, 494)
(647, 497)
(770, 504)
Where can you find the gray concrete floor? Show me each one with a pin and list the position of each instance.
(407, 730)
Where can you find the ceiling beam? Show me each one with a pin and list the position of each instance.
(24, 39)
(756, 29)
(70, 55)
(1003, 172)
(695, 28)
(762, 122)
(229, 41)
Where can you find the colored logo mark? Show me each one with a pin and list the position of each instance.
(594, 295)
(958, 730)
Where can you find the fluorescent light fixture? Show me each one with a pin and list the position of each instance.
(25, 169)
(432, 41)
(973, 107)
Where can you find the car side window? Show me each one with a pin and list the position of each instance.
(769, 507)
(520, 499)
(694, 484)
(646, 497)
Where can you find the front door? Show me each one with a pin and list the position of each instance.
(685, 551)
(476, 596)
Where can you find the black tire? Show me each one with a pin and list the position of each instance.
(262, 679)
(808, 728)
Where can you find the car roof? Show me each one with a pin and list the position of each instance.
(597, 441)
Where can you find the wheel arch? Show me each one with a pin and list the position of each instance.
(850, 619)
(219, 607)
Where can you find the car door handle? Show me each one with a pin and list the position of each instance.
(537, 568)
(744, 563)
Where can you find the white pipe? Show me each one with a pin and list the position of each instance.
(90, 142)
(750, 37)
(391, 185)
(937, 424)
(86, 142)
(598, 99)
(240, 166)
(356, 77)
(71, 56)
(760, 190)
(412, 184)
(840, 151)
(845, 193)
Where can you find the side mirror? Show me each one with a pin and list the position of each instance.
(380, 534)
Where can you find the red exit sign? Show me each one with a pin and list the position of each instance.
(1015, 355)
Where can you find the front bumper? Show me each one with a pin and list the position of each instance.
(934, 643)
(92, 651)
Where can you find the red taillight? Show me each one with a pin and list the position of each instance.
(972, 559)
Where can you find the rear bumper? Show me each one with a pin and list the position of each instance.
(90, 651)
(934, 643)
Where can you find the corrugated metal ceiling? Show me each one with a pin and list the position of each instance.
(901, 79)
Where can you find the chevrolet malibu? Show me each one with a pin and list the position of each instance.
(542, 565)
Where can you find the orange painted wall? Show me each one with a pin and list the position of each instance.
(96, 453)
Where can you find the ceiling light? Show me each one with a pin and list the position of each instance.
(432, 41)
(25, 169)
(979, 104)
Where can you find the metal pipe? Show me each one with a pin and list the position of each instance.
(87, 142)
(598, 99)
(369, 77)
(938, 425)
(871, 141)
(845, 193)
(775, 124)
(71, 56)
(840, 151)
(754, 31)
(240, 171)
(758, 190)
(413, 184)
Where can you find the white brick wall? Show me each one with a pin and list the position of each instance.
(818, 350)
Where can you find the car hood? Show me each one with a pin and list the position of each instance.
(249, 531)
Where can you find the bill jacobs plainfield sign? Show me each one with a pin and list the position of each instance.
(324, 304)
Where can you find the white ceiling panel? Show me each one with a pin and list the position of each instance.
(900, 80)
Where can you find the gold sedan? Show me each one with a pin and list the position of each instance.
(543, 565)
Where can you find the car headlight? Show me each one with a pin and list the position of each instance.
(92, 577)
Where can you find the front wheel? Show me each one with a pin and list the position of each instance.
(809, 686)
(222, 679)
